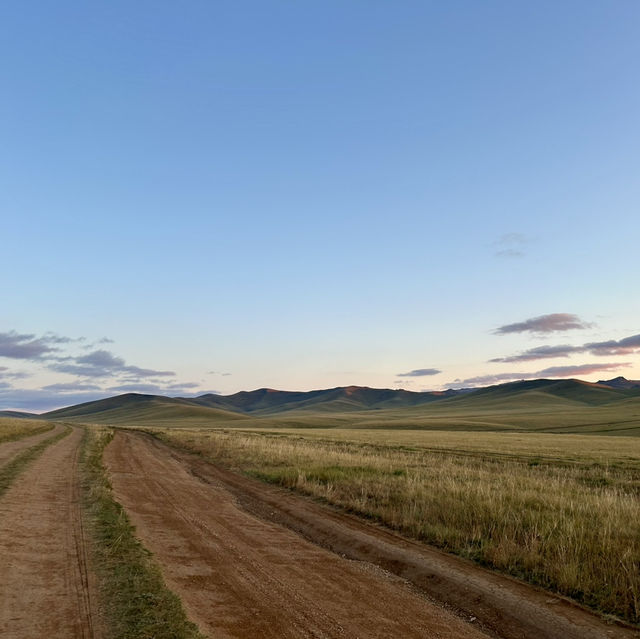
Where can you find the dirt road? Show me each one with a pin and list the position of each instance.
(44, 586)
(227, 548)
(9, 450)
(241, 576)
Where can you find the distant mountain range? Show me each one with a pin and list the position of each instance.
(621, 383)
(266, 402)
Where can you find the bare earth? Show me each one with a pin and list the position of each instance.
(9, 450)
(44, 586)
(241, 576)
(251, 560)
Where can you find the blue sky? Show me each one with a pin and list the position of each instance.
(229, 195)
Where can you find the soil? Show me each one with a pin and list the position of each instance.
(252, 560)
(45, 590)
(9, 450)
(241, 576)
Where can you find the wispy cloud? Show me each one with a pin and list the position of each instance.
(626, 346)
(552, 371)
(420, 372)
(554, 322)
(511, 245)
(71, 387)
(540, 352)
(103, 363)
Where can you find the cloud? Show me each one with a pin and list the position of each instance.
(44, 400)
(626, 346)
(540, 352)
(26, 346)
(509, 253)
(544, 324)
(71, 387)
(552, 371)
(6, 373)
(54, 338)
(511, 245)
(420, 372)
(154, 389)
(583, 369)
(90, 366)
(103, 363)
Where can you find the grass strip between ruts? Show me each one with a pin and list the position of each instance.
(15, 466)
(134, 600)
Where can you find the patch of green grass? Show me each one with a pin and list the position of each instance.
(136, 602)
(14, 467)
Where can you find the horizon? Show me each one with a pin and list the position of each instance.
(213, 198)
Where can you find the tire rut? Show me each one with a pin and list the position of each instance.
(241, 576)
(505, 607)
(9, 450)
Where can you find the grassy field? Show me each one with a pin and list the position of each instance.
(573, 407)
(135, 601)
(561, 511)
(12, 429)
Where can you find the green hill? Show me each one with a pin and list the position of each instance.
(16, 414)
(141, 409)
(543, 405)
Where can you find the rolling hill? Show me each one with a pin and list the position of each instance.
(16, 414)
(137, 408)
(542, 405)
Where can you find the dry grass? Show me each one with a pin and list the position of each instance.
(12, 429)
(563, 513)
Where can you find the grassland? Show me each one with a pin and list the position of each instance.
(520, 415)
(561, 511)
(12, 429)
(568, 406)
(135, 601)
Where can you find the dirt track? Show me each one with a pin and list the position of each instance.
(226, 547)
(240, 576)
(44, 589)
(9, 450)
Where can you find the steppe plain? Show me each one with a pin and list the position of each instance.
(513, 511)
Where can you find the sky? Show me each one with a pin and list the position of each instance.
(221, 196)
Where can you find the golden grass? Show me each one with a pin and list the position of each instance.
(12, 429)
(559, 511)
